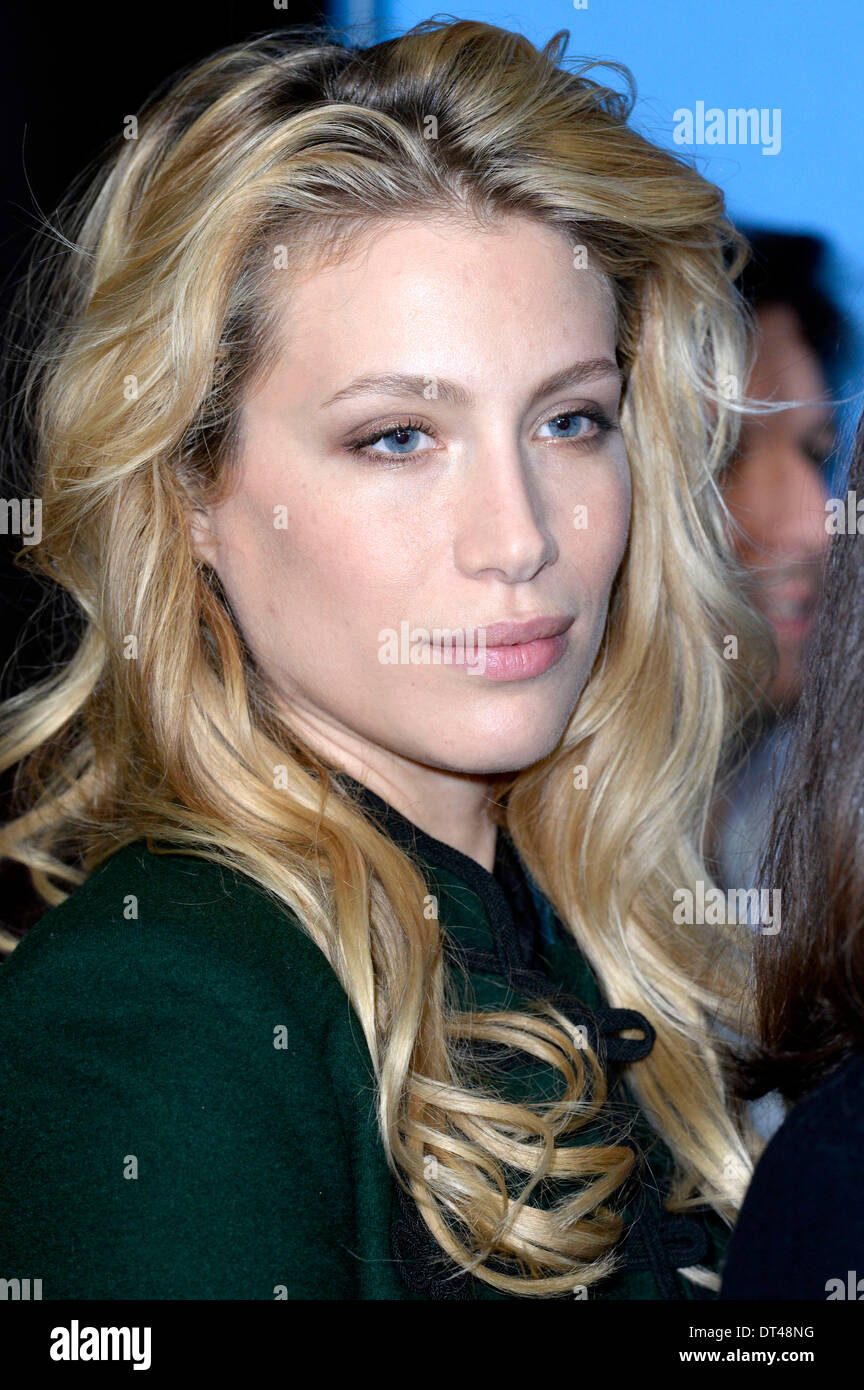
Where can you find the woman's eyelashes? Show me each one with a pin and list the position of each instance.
(395, 432)
(585, 428)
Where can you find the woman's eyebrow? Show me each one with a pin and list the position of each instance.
(414, 384)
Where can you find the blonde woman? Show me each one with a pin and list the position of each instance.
(375, 428)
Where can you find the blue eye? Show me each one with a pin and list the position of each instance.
(569, 417)
(403, 434)
(397, 437)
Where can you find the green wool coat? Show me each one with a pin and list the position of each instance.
(188, 1099)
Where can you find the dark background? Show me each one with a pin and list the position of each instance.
(68, 76)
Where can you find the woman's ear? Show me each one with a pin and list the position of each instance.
(201, 536)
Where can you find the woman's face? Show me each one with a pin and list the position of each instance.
(490, 493)
(776, 492)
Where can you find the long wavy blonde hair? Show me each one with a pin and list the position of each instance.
(294, 141)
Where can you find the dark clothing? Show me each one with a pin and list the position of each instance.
(800, 1234)
(189, 1100)
(528, 939)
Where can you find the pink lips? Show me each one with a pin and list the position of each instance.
(517, 650)
(511, 633)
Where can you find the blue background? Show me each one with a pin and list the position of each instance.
(806, 59)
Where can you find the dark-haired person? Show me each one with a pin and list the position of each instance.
(776, 488)
(801, 1231)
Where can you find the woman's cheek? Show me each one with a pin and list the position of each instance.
(598, 524)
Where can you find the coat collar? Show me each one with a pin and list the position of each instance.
(517, 916)
(506, 944)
